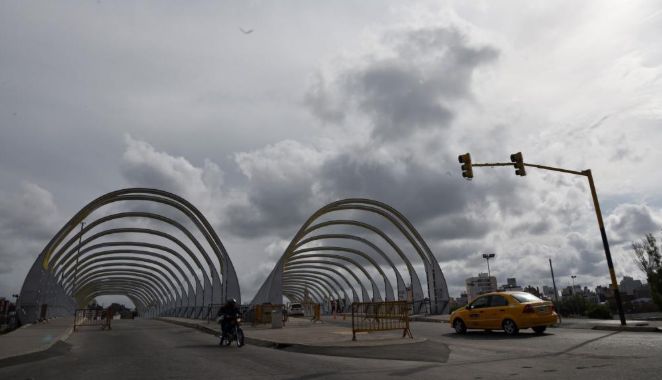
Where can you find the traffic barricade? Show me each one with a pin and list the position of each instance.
(311, 310)
(262, 313)
(380, 316)
(92, 317)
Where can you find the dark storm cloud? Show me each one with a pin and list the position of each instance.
(274, 210)
(630, 222)
(398, 100)
(538, 227)
(407, 185)
(417, 88)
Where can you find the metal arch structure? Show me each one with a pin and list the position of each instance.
(315, 254)
(186, 300)
(181, 278)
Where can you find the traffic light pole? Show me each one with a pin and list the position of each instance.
(605, 244)
(598, 213)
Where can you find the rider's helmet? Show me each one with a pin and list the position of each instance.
(231, 301)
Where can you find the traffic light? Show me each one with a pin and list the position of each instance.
(518, 163)
(465, 160)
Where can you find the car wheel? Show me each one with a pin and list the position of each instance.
(459, 326)
(510, 327)
(539, 329)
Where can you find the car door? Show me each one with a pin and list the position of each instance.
(494, 314)
(476, 310)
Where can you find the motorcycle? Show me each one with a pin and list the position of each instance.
(234, 333)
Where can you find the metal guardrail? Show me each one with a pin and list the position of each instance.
(92, 317)
(380, 316)
(212, 311)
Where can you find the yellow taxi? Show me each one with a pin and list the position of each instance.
(508, 311)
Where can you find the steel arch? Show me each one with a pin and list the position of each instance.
(50, 282)
(272, 290)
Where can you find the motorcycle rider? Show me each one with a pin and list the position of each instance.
(226, 314)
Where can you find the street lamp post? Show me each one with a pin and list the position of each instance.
(488, 256)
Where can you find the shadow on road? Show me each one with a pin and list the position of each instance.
(426, 351)
(494, 335)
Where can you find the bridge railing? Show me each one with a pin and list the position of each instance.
(420, 307)
(380, 316)
(92, 317)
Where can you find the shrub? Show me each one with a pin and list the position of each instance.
(598, 312)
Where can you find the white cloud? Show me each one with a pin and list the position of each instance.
(236, 125)
(28, 220)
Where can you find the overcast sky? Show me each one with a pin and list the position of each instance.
(328, 100)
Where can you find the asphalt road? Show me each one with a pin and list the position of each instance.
(142, 349)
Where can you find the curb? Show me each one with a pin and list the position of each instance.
(628, 328)
(429, 320)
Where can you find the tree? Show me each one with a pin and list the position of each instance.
(648, 258)
(532, 290)
(573, 305)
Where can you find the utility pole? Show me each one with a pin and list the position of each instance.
(556, 292)
(517, 161)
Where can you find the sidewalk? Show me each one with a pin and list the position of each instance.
(611, 324)
(33, 338)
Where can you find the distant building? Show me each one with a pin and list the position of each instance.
(568, 291)
(480, 285)
(463, 299)
(511, 284)
(604, 293)
(459, 301)
(548, 291)
(6, 308)
(629, 285)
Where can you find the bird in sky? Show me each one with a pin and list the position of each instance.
(249, 31)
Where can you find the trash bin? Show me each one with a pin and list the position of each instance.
(276, 319)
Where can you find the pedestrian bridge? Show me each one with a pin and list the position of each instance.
(150, 245)
(160, 251)
(357, 250)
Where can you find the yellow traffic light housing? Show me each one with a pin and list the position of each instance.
(518, 163)
(465, 160)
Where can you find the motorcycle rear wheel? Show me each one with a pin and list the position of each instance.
(239, 334)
